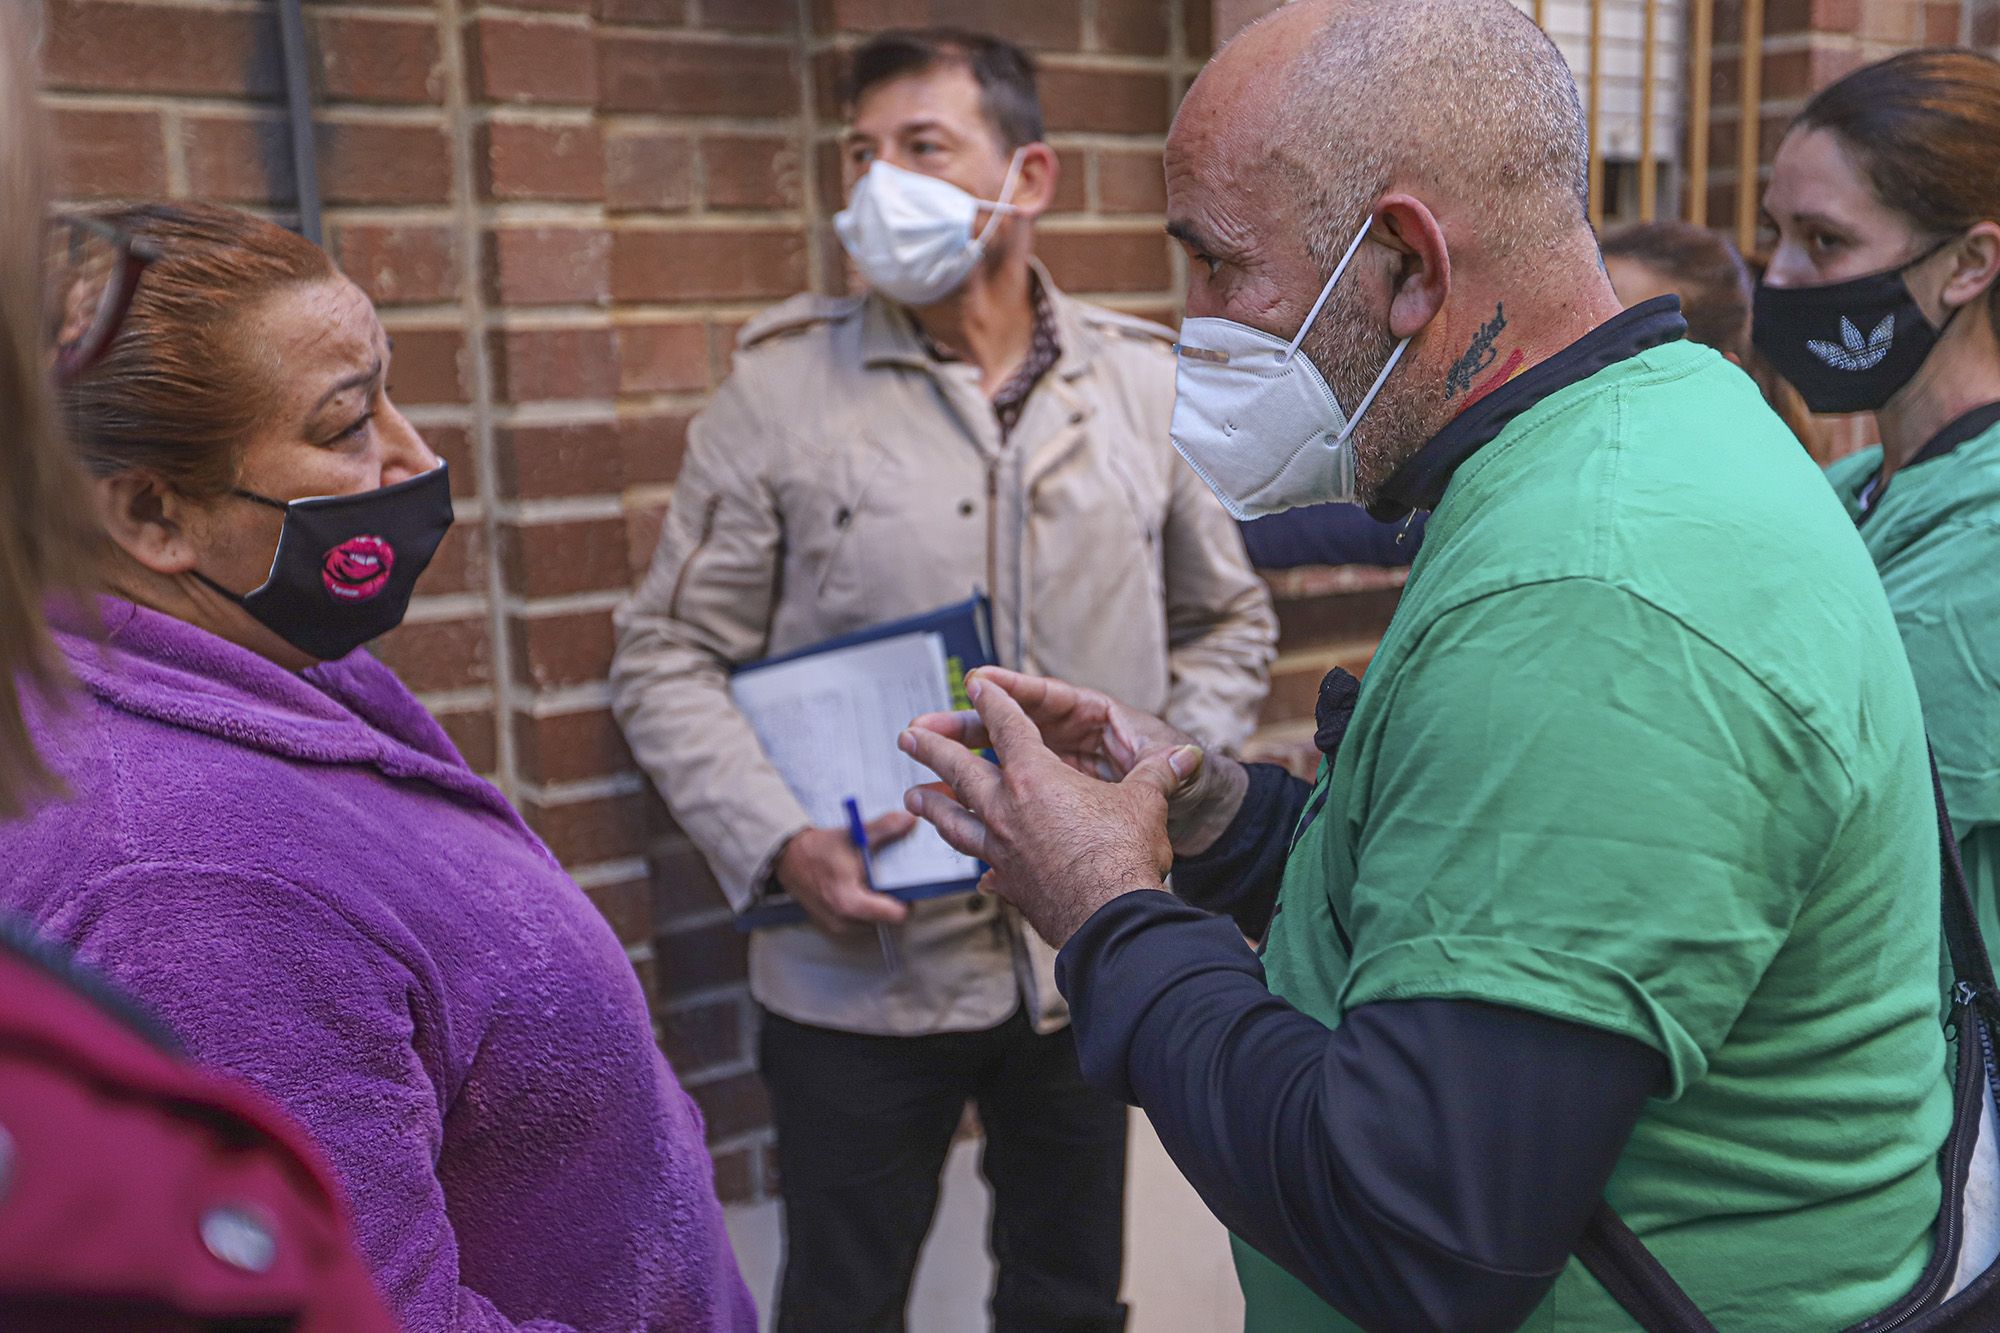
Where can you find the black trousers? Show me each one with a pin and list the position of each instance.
(864, 1124)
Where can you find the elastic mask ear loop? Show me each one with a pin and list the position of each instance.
(1373, 389)
(1327, 291)
(255, 498)
(1944, 325)
(1001, 205)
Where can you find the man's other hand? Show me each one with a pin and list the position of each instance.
(822, 869)
(1061, 843)
(1095, 734)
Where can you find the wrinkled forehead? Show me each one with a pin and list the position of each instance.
(1223, 169)
(325, 324)
(304, 337)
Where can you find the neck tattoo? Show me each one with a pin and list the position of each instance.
(1478, 356)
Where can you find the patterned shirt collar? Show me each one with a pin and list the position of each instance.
(1044, 350)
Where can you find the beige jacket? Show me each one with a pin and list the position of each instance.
(841, 478)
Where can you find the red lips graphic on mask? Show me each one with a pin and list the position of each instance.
(358, 568)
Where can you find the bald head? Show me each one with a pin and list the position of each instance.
(1465, 103)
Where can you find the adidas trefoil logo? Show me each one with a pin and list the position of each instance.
(1857, 355)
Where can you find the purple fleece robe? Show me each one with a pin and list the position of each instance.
(304, 880)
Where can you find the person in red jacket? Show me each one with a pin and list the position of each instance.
(137, 1191)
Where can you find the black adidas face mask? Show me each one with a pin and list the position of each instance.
(347, 564)
(1846, 346)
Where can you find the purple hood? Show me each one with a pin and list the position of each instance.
(301, 877)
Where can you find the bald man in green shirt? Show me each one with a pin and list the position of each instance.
(1621, 881)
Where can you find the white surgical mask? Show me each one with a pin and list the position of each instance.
(911, 235)
(1255, 419)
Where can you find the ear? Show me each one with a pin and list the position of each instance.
(145, 520)
(1035, 186)
(1421, 281)
(1977, 265)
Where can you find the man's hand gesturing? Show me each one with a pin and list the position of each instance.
(1061, 844)
(1096, 735)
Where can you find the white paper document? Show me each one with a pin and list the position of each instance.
(829, 723)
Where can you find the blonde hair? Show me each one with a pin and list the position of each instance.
(43, 519)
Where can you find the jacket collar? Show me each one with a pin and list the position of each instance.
(354, 711)
(1420, 481)
(889, 335)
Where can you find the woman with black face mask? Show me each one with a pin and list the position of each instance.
(270, 844)
(1880, 296)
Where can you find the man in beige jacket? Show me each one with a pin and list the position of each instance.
(874, 458)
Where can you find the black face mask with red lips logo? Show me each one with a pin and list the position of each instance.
(347, 564)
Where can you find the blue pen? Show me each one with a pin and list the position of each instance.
(857, 829)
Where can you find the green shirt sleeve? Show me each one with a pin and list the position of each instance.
(1577, 805)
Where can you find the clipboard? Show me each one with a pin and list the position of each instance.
(811, 721)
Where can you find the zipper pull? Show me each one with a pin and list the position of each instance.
(1965, 993)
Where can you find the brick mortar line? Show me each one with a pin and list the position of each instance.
(538, 318)
(1185, 66)
(570, 604)
(806, 132)
(566, 700)
(465, 193)
(675, 400)
(546, 17)
(774, 41)
(652, 493)
(534, 511)
(592, 412)
(777, 127)
(583, 790)
(174, 128)
(430, 314)
(447, 701)
(243, 106)
(545, 213)
(601, 873)
(444, 608)
(546, 117)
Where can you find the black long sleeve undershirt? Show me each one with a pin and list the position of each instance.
(1238, 876)
(1429, 1164)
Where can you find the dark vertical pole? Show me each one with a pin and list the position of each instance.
(298, 99)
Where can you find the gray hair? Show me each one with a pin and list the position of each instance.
(1468, 95)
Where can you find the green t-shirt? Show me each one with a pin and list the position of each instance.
(1935, 537)
(1640, 751)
